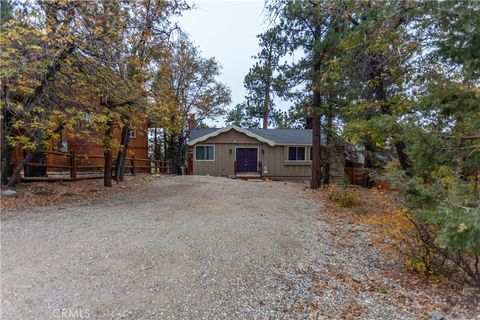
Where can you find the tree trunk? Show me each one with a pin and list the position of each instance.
(328, 147)
(369, 164)
(180, 156)
(107, 173)
(122, 154)
(15, 177)
(7, 149)
(165, 145)
(266, 102)
(173, 153)
(381, 95)
(107, 154)
(30, 171)
(177, 152)
(316, 181)
(403, 157)
(155, 145)
(7, 152)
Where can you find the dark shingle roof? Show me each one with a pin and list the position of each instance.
(279, 136)
(285, 136)
(200, 132)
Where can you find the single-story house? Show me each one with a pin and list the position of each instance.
(274, 153)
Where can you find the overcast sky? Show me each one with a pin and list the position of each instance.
(226, 30)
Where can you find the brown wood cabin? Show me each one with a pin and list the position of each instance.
(138, 147)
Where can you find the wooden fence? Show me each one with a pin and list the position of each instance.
(72, 166)
(355, 174)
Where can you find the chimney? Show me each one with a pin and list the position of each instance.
(191, 124)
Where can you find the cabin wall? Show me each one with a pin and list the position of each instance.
(138, 147)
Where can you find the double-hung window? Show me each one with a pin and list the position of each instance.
(296, 153)
(204, 153)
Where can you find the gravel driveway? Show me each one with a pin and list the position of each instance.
(188, 248)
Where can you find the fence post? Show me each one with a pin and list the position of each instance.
(133, 165)
(73, 163)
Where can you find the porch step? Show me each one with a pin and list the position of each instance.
(248, 175)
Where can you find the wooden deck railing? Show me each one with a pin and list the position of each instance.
(74, 164)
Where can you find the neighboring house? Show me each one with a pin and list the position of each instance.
(137, 144)
(138, 147)
(275, 153)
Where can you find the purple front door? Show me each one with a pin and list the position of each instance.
(247, 159)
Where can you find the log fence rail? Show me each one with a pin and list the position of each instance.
(75, 168)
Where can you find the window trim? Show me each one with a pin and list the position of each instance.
(305, 154)
(134, 131)
(204, 145)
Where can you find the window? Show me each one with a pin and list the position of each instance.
(133, 133)
(296, 153)
(83, 124)
(204, 153)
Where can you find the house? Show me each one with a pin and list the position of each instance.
(274, 153)
(90, 149)
(137, 144)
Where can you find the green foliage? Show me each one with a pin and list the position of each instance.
(401, 79)
(458, 34)
(186, 85)
(261, 83)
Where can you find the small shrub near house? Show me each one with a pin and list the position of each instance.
(344, 195)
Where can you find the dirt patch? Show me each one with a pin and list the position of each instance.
(40, 194)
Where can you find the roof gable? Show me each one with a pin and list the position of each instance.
(197, 137)
(301, 137)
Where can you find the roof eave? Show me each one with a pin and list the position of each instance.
(232, 127)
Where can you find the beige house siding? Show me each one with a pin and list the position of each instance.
(274, 160)
(223, 163)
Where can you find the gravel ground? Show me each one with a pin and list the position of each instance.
(196, 248)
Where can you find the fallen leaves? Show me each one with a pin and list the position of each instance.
(37, 194)
(372, 225)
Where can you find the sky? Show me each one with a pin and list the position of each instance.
(227, 30)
